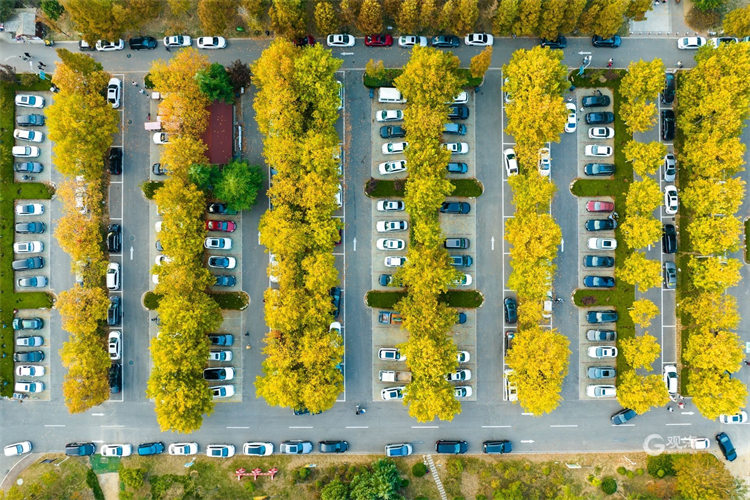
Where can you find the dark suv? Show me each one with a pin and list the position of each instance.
(511, 314)
(595, 101)
(458, 112)
(30, 120)
(623, 416)
(497, 447)
(667, 124)
(558, 43)
(142, 42)
(114, 313)
(599, 169)
(452, 447)
(336, 301)
(445, 41)
(612, 42)
(455, 207)
(80, 449)
(28, 357)
(29, 263)
(389, 131)
(667, 95)
(115, 378)
(115, 161)
(145, 449)
(30, 227)
(669, 238)
(600, 118)
(114, 238)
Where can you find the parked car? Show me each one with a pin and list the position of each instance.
(176, 41)
(29, 101)
(16, 449)
(511, 162)
(600, 118)
(602, 243)
(598, 282)
(667, 124)
(545, 163)
(670, 168)
(114, 345)
(378, 40)
(305, 41)
(452, 447)
(558, 43)
(220, 450)
(600, 224)
(392, 167)
(456, 243)
(31, 341)
(28, 263)
(599, 206)
(571, 124)
(390, 244)
(211, 42)
(691, 42)
(445, 41)
(623, 416)
(612, 42)
(597, 150)
(601, 335)
(114, 238)
(398, 450)
(667, 93)
(596, 317)
(455, 207)
(30, 209)
(222, 391)
(454, 167)
(28, 356)
(214, 374)
(32, 120)
(390, 206)
(669, 374)
(182, 449)
(22, 247)
(212, 243)
(599, 352)
(80, 449)
(596, 169)
(459, 148)
(598, 372)
(226, 226)
(115, 378)
(595, 101)
(28, 323)
(221, 339)
(390, 354)
(387, 226)
(671, 201)
(147, 449)
(340, 40)
(116, 450)
(601, 133)
(726, 446)
(225, 280)
(142, 42)
(392, 131)
(601, 391)
(114, 92)
(391, 148)
(670, 275)
(113, 276)
(258, 449)
(458, 112)
(668, 238)
(462, 375)
(295, 447)
(115, 161)
(737, 418)
(107, 46)
(33, 282)
(462, 391)
(28, 167)
(394, 261)
(389, 115)
(412, 40)
(497, 447)
(510, 309)
(159, 169)
(160, 138)
(28, 135)
(461, 260)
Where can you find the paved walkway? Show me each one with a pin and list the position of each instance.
(666, 19)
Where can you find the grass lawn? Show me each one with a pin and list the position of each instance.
(465, 188)
(9, 192)
(226, 300)
(747, 247)
(622, 296)
(466, 299)
(393, 73)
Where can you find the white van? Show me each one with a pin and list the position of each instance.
(390, 95)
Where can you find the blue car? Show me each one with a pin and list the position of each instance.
(623, 416)
(224, 339)
(727, 448)
(601, 316)
(146, 449)
(598, 282)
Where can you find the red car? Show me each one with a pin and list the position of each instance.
(226, 226)
(378, 40)
(304, 41)
(599, 206)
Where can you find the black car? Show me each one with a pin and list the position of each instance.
(511, 310)
(28, 167)
(142, 42)
(147, 449)
(115, 161)
(668, 238)
(114, 238)
(461, 260)
(667, 94)
(333, 446)
(595, 101)
(458, 112)
(452, 447)
(596, 317)
(455, 207)
(225, 280)
(726, 446)
(385, 279)
(158, 169)
(336, 300)
(667, 124)
(623, 416)
(599, 169)
(390, 131)
(600, 224)
(28, 263)
(600, 118)
(611, 42)
(80, 449)
(598, 281)
(558, 43)
(115, 378)
(445, 41)
(28, 356)
(33, 120)
(456, 167)
(114, 312)
(598, 261)
(218, 374)
(30, 227)
(497, 447)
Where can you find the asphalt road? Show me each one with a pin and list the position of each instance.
(575, 426)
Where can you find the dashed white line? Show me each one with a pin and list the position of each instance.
(238, 427)
(300, 426)
(527, 414)
(356, 427)
(54, 425)
(685, 423)
(97, 414)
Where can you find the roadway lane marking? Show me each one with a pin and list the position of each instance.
(492, 243)
(300, 426)
(527, 414)
(239, 427)
(354, 243)
(527, 441)
(356, 427)
(495, 426)
(425, 427)
(686, 423)
(338, 254)
(54, 425)
(564, 425)
(97, 414)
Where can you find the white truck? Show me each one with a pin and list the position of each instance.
(394, 376)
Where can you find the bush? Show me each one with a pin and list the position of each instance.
(630, 474)
(462, 298)
(609, 485)
(546, 470)
(150, 188)
(660, 465)
(231, 300)
(418, 469)
(621, 470)
(455, 466)
(374, 188)
(93, 482)
(303, 473)
(132, 478)
(404, 482)
(151, 300)
(639, 471)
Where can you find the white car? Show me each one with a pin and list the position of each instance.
(26, 151)
(31, 387)
(691, 42)
(393, 393)
(29, 371)
(392, 148)
(394, 261)
(412, 40)
(479, 39)
(339, 196)
(570, 125)
(225, 355)
(161, 259)
(15, 449)
(177, 41)
(390, 354)
(220, 450)
(28, 247)
(182, 449)
(392, 167)
(459, 148)
(463, 280)
(219, 262)
(596, 150)
(161, 138)
(511, 162)
(260, 449)
(107, 46)
(218, 243)
(340, 40)
(335, 327)
(602, 244)
(463, 356)
(222, 391)
(738, 418)
(461, 98)
(386, 226)
(669, 373)
(29, 101)
(211, 42)
(340, 85)
(545, 162)
(700, 443)
(601, 133)
(671, 201)
(114, 345)
(28, 135)
(601, 391)
(603, 351)
(390, 206)
(459, 375)
(30, 209)
(113, 276)
(462, 391)
(390, 244)
(389, 115)
(114, 92)
(116, 450)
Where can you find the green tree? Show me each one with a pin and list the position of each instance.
(505, 17)
(640, 231)
(702, 475)
(737, 22)
(334, 490)
(132, 477)
(382, 482)
(642, 312)
(288, 17)
(480, 63)
(646, 157)
(529, 15)
(204, 176)
(6, 9)
(408, 16)
(706, 5)
(641, 393)
(216, 15)
(467, 15)
(552, 18)
(52, 9)
(640, 271)
(640, 352)
(325, 18)
(215, 84)
(239, 185)
(370, 18)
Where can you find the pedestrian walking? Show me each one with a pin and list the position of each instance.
(670, 409)
(167, 47)
(27, 55)
(679, 64)
(681, 405)
(134, 83)
(610, 63)
(148, 117)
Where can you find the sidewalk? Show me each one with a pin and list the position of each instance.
(667, 19)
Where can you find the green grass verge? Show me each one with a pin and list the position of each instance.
(150, 188)
(465, 299)
(9, 192)
(151, 300)
(465, 188)
(747, 235)
(392, 73)
(226, 300)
